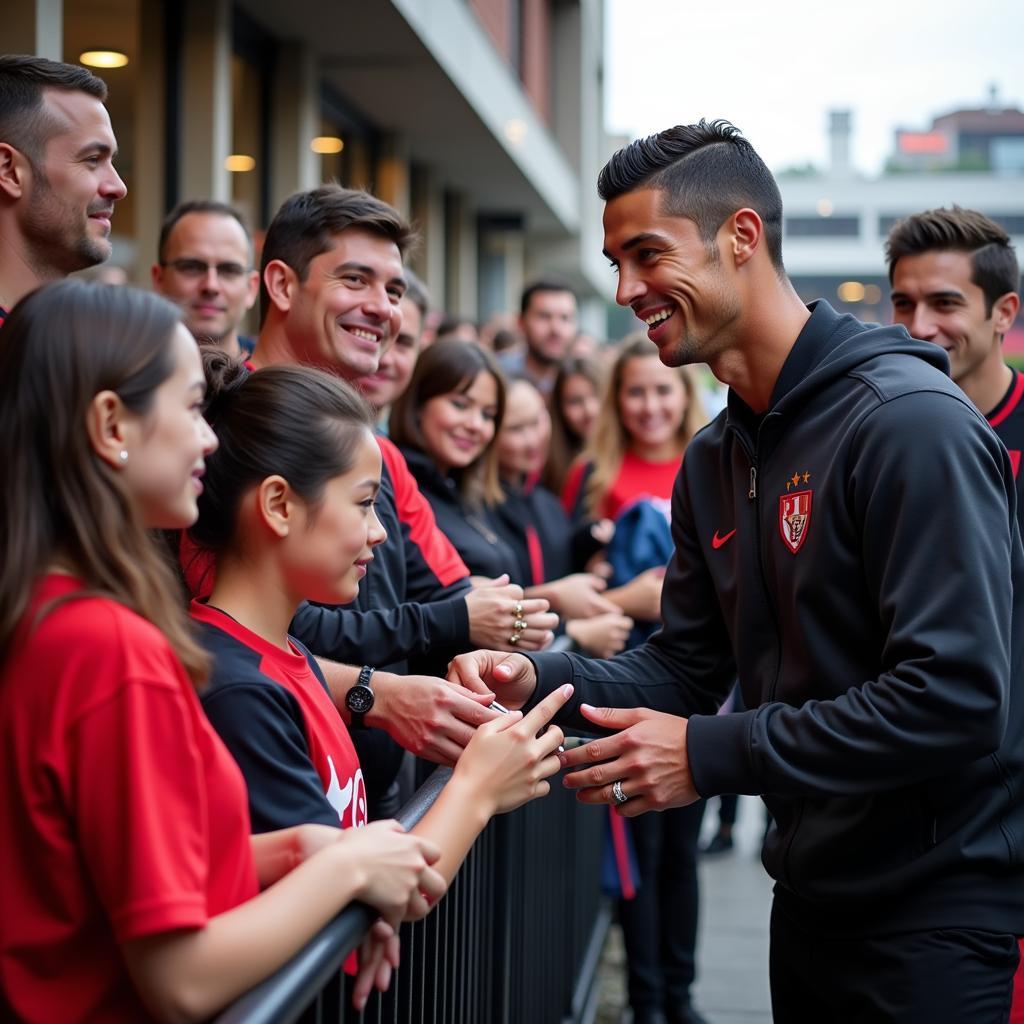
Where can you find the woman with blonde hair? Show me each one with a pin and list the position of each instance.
(636, 447)
(575, 402)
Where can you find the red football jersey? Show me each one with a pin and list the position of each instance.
(122, 814)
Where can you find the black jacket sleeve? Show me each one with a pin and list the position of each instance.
(262, 727)
(382, 636)
(686, 668)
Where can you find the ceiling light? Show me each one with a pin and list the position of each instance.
(851, 291)
(826, 207)
(103, 58)
(515, 130)
(327, 144)
(239, 163)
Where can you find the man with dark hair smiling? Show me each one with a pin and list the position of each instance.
(954, 279)
(547, 318)
(331, 286)
(58, 185)
(845, 544)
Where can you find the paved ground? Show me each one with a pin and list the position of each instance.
(732, 954)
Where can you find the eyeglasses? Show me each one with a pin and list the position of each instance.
(200, 268)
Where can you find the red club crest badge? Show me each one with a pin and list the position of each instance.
(794, 518)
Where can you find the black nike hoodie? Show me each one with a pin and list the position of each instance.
(870, 602)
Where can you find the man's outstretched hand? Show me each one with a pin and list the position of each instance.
(511, 677)
(648, 759)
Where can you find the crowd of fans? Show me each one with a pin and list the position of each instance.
(239, 557)
(188, 788)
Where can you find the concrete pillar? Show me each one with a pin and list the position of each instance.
(460, 255)
(295, 122)
(502, 268)
(36, 27)
(426, 209)
(393, 175)
(149, 158)
(206, 100)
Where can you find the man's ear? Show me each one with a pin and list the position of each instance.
(746, 235)
(252, 289)
(281, 283)
(15, 172)
(105, 422)
(276, 507)
(1004, 312)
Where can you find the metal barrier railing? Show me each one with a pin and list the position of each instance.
(516, 939)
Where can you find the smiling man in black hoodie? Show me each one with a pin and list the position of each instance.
(846, 544)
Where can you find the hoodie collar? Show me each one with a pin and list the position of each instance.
(830, 345)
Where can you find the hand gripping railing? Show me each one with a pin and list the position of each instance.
(517, 938)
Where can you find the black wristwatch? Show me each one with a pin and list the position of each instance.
(359, 700)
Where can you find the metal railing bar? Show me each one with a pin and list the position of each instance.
(282, 998)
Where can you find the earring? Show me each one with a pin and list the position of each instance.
(123, 455)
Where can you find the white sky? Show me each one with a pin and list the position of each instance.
(776, 67)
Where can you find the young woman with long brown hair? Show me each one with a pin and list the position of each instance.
(131, 885)
(446, 424)
(575, 404)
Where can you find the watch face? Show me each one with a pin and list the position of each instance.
(359, 699)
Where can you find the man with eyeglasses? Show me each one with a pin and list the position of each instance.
(205, 266)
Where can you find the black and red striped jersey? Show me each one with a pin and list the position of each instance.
(1007, 420)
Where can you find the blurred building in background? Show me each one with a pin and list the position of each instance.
(482, 120)
(836, 221)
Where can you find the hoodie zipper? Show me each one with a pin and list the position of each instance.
(752, 495)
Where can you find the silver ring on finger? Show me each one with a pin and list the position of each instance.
(619, 796)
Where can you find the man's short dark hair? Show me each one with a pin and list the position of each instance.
(308, 221)
(416, 292)
(213, 206)
(705, 172)
(993, 259)
(24, 123)
(546, 284)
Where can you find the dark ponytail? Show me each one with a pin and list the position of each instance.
(291, 421)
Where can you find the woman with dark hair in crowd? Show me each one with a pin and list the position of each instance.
(288, 514)
(531, 519)
(446, 424)
(649, 413)
(575, 401)
(131, 884)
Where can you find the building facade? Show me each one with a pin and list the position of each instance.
(482, 120)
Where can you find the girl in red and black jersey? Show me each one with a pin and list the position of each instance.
(288, 514)
(129, 881)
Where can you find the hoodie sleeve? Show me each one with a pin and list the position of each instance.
(684, 669)
(382, 636)
(931, 493)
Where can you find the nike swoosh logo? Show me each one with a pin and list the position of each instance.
(717, 542)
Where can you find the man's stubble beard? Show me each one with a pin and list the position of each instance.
(54, 251)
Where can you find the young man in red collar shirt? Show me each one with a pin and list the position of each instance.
(58, 185)
(954, 279)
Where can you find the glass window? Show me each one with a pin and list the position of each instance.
(822, 227)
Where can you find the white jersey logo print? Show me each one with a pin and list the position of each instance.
(353, 797)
